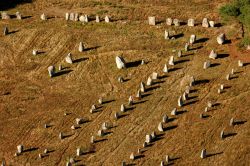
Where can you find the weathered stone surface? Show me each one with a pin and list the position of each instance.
(51, 70)
(191, 22)
(142, 87)
(221, 38)
(149, 81)
(43, 17)
(205, 23)
(176, 22)
(192, 39)
(18, 16)
(97, 19)
(213, 55)
(171, 61)
(211, 24)
(107, 19)
(82, 18)
(179, 53)
(165, 69)
(169, 21)
(120, 62)
(206, 65)
(72, 16)
(151, 20)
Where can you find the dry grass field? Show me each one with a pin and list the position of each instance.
(29, 98)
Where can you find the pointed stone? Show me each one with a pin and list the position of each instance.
(139, 95)
(132, 156)
(171, 61)
(51, 70)
(46, 151)
(160, 127)
(213, 55)
(69, 59)
(206, 109)
(203, 153)
(151, 20)
(174, 112)
(5, 31)
(165, 69)
(117, 115)
(192, 81)
(76, 18)
(81, 47)
(142, 62)
(120, 62)
(187, 89)
(40, 155)
(130, 100)
(169, 21)
(165, 119)
(18, 16)
(222, 134)
(107, 20)
(149, 81)
(205, 23)
(142, 87)
(219, 91)
(221, 38)
(105, 126)
(232, 71)
(180, 101)
(191, 22)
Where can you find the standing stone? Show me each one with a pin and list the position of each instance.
(165, 69)
(160, 127)
(179, 53)
(82, 18)
(149, 81)
(69, 59)
(66, 16)
(171, 61)
(221, 38)
(18, 16)
(186, 47)
(221, 86)
(206, 109)
(142, 62)
(120, 79)
(154, 76)
(180, 101)
(192, 81)
(86, 18)
(192, 39)
(176, 22)
(72, 16)
(205, 23)
(100, 100)
(213, 55)
(5, 31)
(187, 89)
(165, 119)
(51, 70)
(211, 24)
(240, 63)
(132, 156)
(3, 162)
(79, 121)
(34, 52)
(206, 65)
(78, 152)
(209, 104)
(203, 153)
(232, 122)
(139, 95)
(166, 35)
(100, 133)
(191, 22)
(142, 87)
(232, 71)
(120, 62)
(169, 21)
(97, 19)
(20, 149)
(153, 135)
(43, 17)
(148, 138)
(130, 100)
(185, 96)
(162, 163)
(123, 163)
(123, 108)
(117, 115)
(151, 20)
(76, 18)
(219, 91)
(5, 16)
(107, 20)
(222, 134)
(81, 47)
(174, 112)
(92, 139)
(61, 135)
(228, 77)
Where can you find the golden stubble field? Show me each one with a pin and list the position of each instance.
(29, 98)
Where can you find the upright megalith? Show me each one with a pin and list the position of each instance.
(165, 119)
(123, 108)
(180, 101)
(107, 19)
(192, 39)
(174, 112)
(120, 62)
(51, 70)
(211, 24)
(151, 20)
(206, 65)
(34, 52)
(221, 39)
(165, 69)
(240, 63)
(169, 21)
(81, 47)
(160, 127)
(186, 47)
(205, 23)
(166, 35)
(69, 59)
(179, 54)
(142, 87)
(66, 16)
(5, 16)
(191, 22)
(18, 16)
(5, 31)
(213, 55)
(130, 100)
(154, 76)
(97, 18)
(20, 149)
(176, 22)
(43, 17)
(72, 16)
(171, 61)
(203, 153)
(149, 81)
(148, 138)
